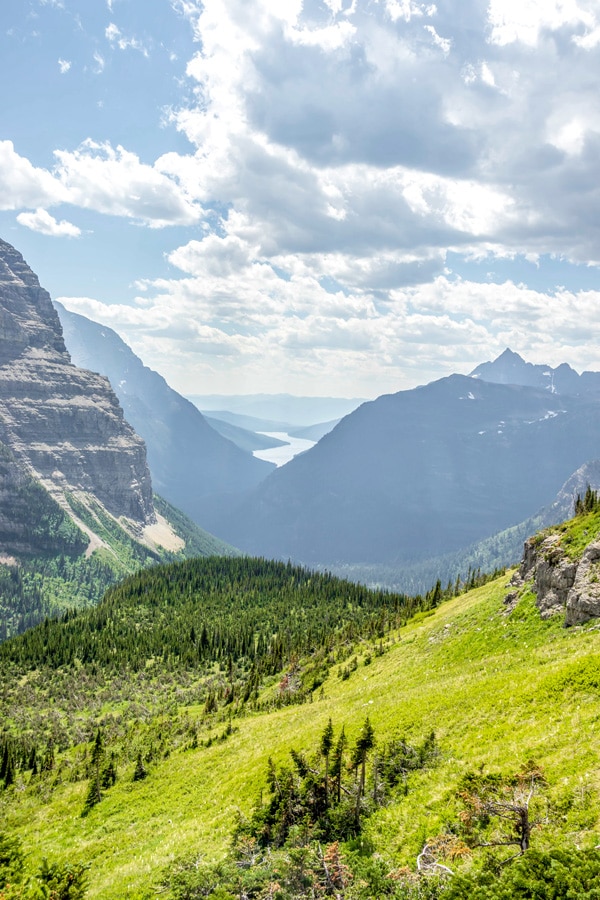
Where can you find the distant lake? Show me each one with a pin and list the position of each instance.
(282, 455)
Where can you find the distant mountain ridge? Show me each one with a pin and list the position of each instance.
(189, 460)
(282, 408)
(510, 368)
(422, 473)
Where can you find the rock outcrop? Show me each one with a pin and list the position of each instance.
(62, 425)
(583, 600)
(562, 585)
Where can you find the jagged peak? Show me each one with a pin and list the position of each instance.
(509, 354)
(510, 368)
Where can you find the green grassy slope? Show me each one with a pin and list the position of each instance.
(498, 689)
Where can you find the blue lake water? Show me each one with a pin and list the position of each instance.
(282, 455)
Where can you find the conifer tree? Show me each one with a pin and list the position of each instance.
(94, 794)
(364, 743)
(337, 767)
(326, 745)
(140, 772)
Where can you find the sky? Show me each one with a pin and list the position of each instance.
(328, 197)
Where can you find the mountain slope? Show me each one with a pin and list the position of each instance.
(500, 550)
(242, 437)
(76, 497)
(188, 459)
(419, 474)
(500, 688)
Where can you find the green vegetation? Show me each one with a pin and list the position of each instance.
(62, 576)
(576, 534)
(236, 727)
(209, 630)
(197, 541)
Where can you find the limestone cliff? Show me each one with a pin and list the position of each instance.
(61, 425)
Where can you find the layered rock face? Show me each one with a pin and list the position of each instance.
(62, 424)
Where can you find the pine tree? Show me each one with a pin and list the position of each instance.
(337, 767)
(326, 745)
(364, 743)
(140, 771)
(94, 794)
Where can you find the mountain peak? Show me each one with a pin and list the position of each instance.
(510, 368)
(509, 355)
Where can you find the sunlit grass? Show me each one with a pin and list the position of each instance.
(497, 689)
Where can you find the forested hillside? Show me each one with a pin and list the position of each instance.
(64, 575)
(238, 727)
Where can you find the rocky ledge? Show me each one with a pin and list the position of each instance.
(561, 585)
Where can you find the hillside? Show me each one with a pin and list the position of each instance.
(61, 573)
(502, 549)
(419, 474)
(504, 689)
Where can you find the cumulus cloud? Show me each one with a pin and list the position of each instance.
(234, 308)
(114, 181)
(99, 177)
(341, 148)
(25, 185)
(42, 222)
(303, 112)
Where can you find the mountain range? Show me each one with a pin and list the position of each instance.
(422, 483)
(422, 472)
(510, 368)
(407, 482)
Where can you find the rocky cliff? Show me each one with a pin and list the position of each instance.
(563, 584)
(60, 424)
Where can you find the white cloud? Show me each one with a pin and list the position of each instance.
(589, 40)
(233, 304)
(99, 177)
(302, 123)
(24, 185)
(115, 181)
(524, 20)
(99, 63)
(42, 222)
(407, 9)
(115, 37)
(444, 44)
(64, 65)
